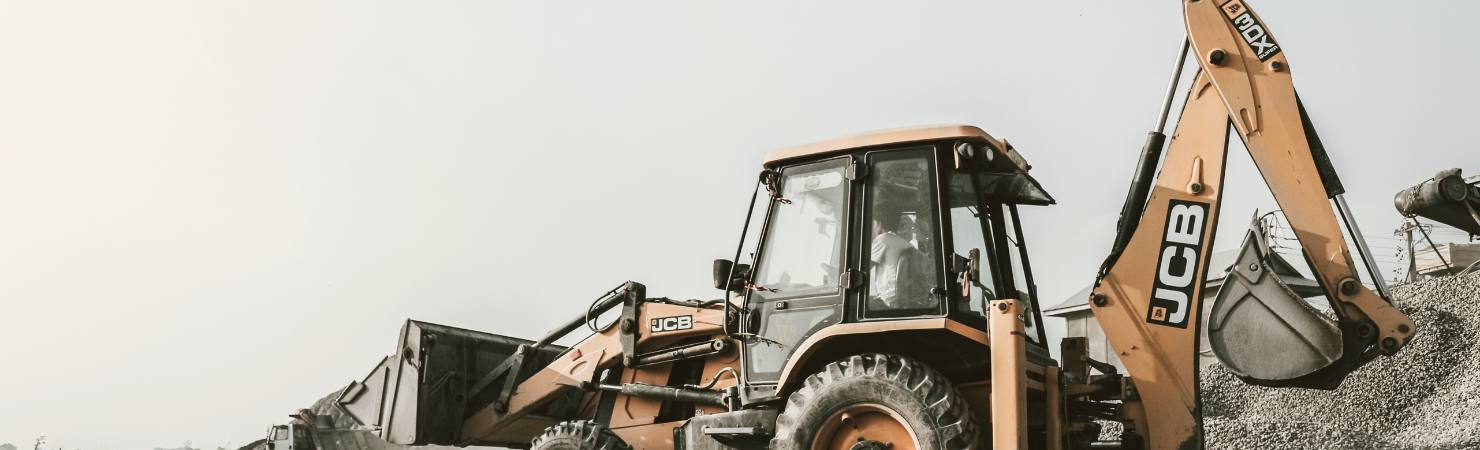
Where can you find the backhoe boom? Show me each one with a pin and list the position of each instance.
(1148, 298)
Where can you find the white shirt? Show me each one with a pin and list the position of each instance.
(888, 249)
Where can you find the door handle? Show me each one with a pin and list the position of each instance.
(850, 279)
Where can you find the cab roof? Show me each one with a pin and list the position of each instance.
(896, 136)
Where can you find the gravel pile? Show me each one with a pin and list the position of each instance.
(1425, 397)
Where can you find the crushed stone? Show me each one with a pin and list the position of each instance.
(1425, 397)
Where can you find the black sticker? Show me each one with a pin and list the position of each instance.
(1255, 34)
(1174, 289)
(674, 323)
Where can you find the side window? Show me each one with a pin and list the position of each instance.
(900, 255)
(1022, 278)
(969, 228)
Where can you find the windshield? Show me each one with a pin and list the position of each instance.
(803, 244)
(994, 228)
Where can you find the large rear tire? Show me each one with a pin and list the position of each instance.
(876, 402)
(579, 435)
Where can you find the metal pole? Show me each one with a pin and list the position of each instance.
(739, 246)
(1412, 275)
(1166, 104)
(1433, 247)
(1362, 249)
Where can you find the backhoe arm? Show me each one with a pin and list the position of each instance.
(1148, 297)
(1280, 138)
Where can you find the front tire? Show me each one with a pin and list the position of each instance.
(876, 402)
(579, 435)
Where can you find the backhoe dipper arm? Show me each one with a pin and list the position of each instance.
(1148, 297)
(1254, 82)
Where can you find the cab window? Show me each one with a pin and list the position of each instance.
(969, 230)
(900, 247)
(992, 227)
(802, 251)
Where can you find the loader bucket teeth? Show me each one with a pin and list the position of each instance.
(1256, 315)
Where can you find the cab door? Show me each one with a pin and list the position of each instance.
(899, 246)
(797, 287)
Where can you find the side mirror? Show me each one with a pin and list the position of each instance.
(723, 269)
(970, 264)
(974, 264)
(969, 267)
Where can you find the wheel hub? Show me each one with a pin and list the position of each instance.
(865, 426)
(871, 445)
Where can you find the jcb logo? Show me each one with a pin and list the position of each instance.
(1252, 31)
(1179, 263)
(674, 323)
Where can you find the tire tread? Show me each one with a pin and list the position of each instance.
(953, 417)
(578, 434)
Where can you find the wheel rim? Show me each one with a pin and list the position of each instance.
(865, 426)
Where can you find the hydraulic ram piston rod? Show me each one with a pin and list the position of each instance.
(1362, 249)
(701, 396)
(1135, 198)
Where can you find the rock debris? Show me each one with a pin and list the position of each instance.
(1425, 397)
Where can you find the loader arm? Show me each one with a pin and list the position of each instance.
(1148, 296)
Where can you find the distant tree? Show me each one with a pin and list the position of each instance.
(7, 446)
(39, 442)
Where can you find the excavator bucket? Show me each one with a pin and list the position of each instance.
(1256, 312)
(422, 394)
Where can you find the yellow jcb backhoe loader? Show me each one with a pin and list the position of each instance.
(890, 303)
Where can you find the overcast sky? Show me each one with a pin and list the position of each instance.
(217, 212)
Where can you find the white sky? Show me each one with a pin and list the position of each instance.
(216, 212)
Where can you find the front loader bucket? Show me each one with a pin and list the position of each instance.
(1261, 329)
(422, 394)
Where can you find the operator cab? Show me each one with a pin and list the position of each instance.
(292, 436)
(918, 223)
